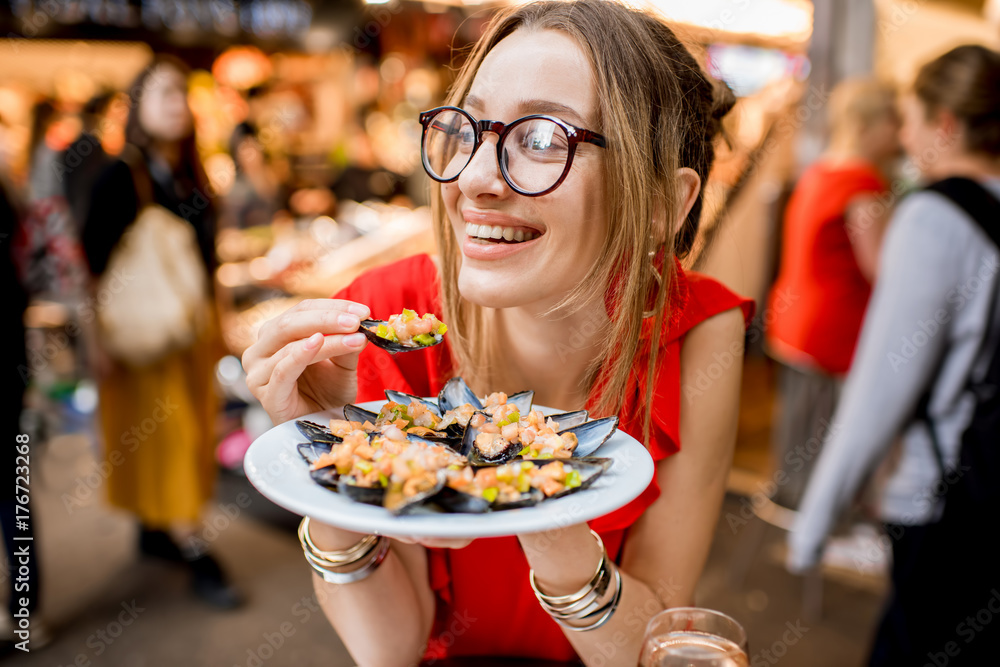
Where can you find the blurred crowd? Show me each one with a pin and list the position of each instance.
(884, 342)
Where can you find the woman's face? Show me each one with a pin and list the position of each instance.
(163, 110)
(529, 72)
(920, 136)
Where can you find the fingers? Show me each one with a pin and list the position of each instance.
(344, 350)
(281, 381)
(435, 542)
(326, 316)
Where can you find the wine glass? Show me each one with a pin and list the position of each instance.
(693, 637)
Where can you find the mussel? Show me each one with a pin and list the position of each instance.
(382, 334)
(589, 435)
(311, 451)
(397, 497)
(455, 393)
(316, 432)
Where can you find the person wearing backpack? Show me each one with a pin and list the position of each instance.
(924, 376)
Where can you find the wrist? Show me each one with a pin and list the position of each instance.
(547, 554)
(330, 538)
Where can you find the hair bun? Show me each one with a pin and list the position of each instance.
(723, 100)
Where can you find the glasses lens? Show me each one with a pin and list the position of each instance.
(448, 144)
(534, 154)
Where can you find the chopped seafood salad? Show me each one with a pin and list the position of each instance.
(407, 329)
(458, 454)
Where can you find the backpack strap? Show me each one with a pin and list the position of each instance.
(978, 202)
(984, 209)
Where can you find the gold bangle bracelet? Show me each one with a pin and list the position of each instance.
(341, 557)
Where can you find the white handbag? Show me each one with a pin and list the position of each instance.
(153, 296)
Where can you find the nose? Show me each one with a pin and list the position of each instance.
(482, 175)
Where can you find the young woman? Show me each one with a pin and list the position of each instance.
(933, 325)
(589, 309)
(163, 473)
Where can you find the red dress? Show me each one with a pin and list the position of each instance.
(498, 615)
(820, 295)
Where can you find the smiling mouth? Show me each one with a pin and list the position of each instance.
(499, 234)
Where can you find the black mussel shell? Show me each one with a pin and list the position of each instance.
(405, 399)
(455, 393)
(458, 502)
(368, 329)
(590, 469)
(311, 451)
(356, 414)
(316, 432)
(528, 499)
(363, 494)
(397, 504)
(591, 435)
(473, 453)
(522, 400)
(569, 419)
(328, 477)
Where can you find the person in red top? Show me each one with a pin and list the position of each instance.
(559, 221)
(832, 232)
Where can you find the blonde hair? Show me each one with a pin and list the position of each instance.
(856, 104)
(659, 112)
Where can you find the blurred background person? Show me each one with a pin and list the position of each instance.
(256, 192)
(933, 256)
(165, 477)
(829, 256)
(86, 159)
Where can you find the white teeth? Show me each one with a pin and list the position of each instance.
(509, 234)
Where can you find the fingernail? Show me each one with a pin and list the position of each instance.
(354, 340)
(314, 341)
(359, 309)
(349, 321)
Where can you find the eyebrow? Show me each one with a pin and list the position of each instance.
(534, 106)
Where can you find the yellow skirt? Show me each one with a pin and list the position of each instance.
(159, 434)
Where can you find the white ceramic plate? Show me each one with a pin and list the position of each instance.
(274, 466)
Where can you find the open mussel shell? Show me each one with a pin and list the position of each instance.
(405, 399)
(522, 400)
(505, 453)
(591, 435)
(316, 432)
(311, 451)
(397, 503)
(370, 495)
(568, 420)
(589, 468)
(459, 502)
(455, 393)
(368, 328)
(328, 477)
(354, 413)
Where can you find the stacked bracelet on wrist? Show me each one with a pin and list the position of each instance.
(348, 565)
(583, 610)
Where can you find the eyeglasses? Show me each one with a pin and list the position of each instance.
(535, 153)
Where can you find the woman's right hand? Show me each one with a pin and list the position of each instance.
(306, 359)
